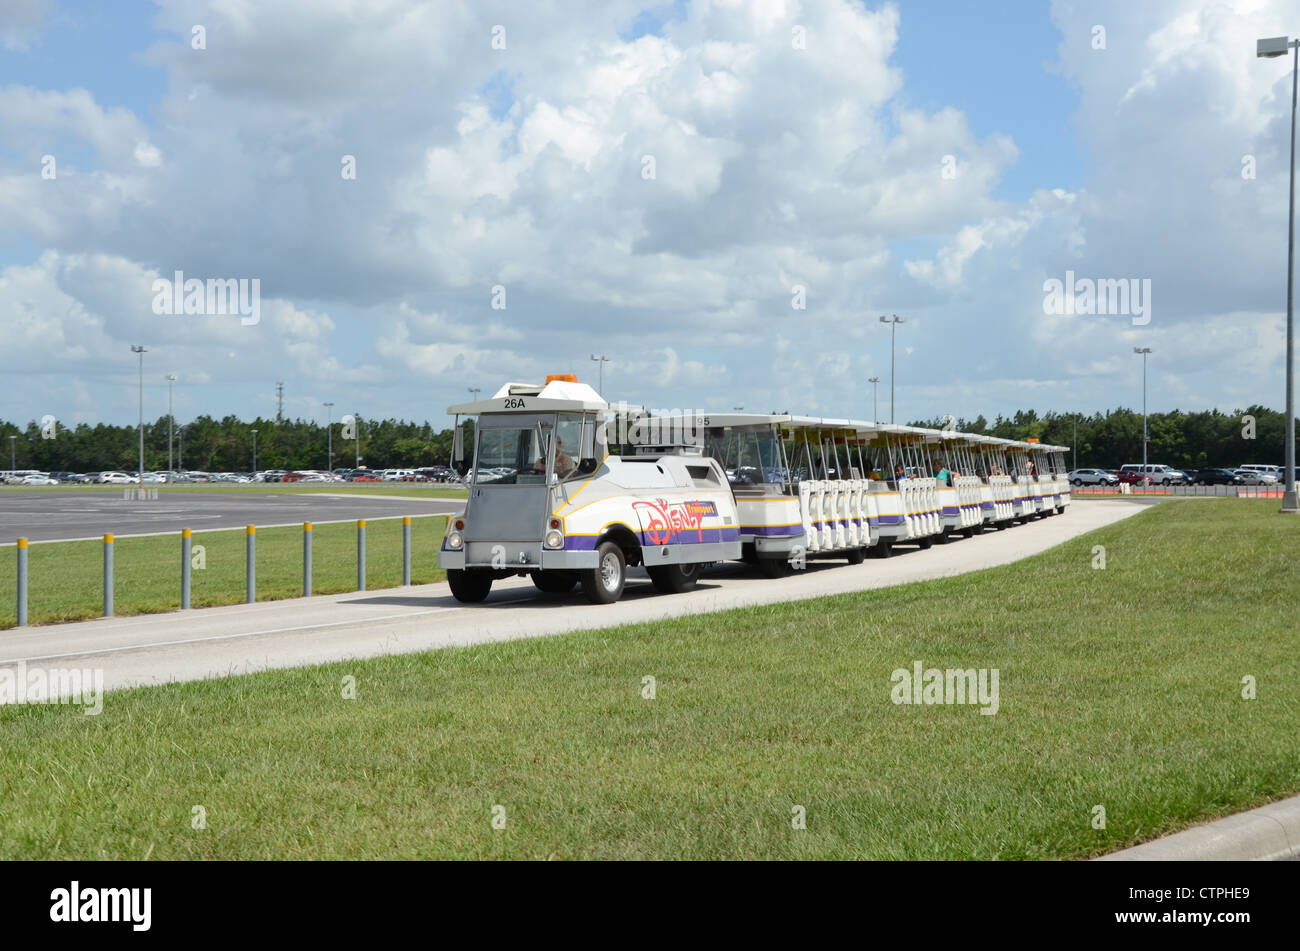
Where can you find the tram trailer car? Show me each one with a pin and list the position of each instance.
(547, 500)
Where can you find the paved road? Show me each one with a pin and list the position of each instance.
(218, 642)
(46, 516)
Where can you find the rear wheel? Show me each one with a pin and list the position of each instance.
(969, 532)
(856, 556)
(774, 567)
(942, 538)
(884, 548)
(604, 584)
(674, 579)
(1076, 482)
(555, 582)
(925, 542)
(470, 585)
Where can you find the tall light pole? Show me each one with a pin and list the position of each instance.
(141, 351)
(356, 425)
(171, 422)
(329, 437)
(893, 320)
(1144, 351)
(1076, 442)
(180, 449)
(600, 378)
(873, 381)
(254, 432)
(1278, 46)
(13, 457)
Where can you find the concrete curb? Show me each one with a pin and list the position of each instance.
(1269, 833)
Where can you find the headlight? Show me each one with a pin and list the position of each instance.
(554, 539)
(455, 541)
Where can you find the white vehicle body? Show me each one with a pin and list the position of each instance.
(546, 499)
(38, 478)
(116, 478)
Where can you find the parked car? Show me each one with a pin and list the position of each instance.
(1217, 477)
(116, 478)
(38, 478)
(1129, 476)
(1256, 477)
(1157, 474)
(273, 475)
(365, 475)
(1275, 471)
(1092, 477)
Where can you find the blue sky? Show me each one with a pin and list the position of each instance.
(520, 167)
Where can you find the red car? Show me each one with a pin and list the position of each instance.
(1129, 477)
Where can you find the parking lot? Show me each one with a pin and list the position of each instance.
(63, 515)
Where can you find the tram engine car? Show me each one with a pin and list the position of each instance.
(548, 500)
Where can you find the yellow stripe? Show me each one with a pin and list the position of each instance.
(584, 485)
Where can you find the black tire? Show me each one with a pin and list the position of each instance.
(555, 582)
(856, 556)
(469, 585)
(604, 583)
(942, 538)
(774, 567)
(884, 548)
(674, 579)
(1076, 482)
(969, 532)
(925, 542)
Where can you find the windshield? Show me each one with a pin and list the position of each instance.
(518, 452)
(510, 456)
(749, 457)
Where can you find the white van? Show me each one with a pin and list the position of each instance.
(1157, 474)
(398, 475)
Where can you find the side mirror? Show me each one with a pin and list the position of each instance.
(458, 449)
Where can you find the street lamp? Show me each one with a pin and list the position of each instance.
(1266, 49)
(254, 432)
(329, 437)
(873, 381)
(474, 391)
(356, 426)
(893, 320)
(171, 422)
(1144, 351)
(600, 378)
(141, 351)
(13, 464)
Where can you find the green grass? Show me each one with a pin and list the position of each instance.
(65, 579)
(1119, 687)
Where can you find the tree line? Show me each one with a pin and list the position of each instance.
(225, 445)
(1209, 439)
(1108, 440)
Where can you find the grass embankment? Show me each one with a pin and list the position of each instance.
(1119, 687)
(65, 579)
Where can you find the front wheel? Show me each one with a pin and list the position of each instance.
(1076, 482)
(925, 542)
(469, 585)
(604, 584)
(856, 556)
(774, 567)
(884, 548)
(674, 579)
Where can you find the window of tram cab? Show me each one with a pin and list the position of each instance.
(568, 435)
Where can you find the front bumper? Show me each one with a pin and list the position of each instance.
(516, 556)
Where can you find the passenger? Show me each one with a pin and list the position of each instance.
(899, 472)
(944, 476)
(563, 462)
